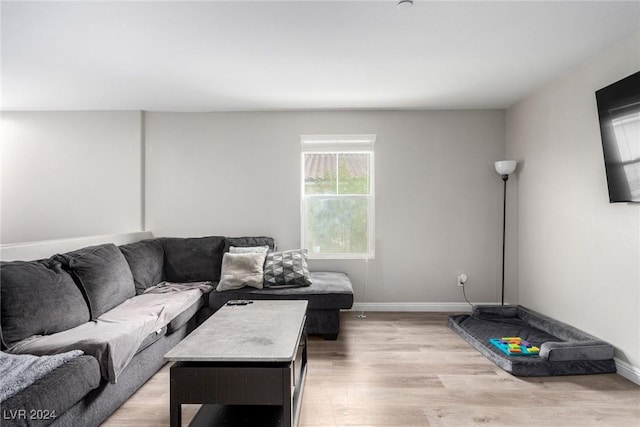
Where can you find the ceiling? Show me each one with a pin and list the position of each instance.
(295, 55)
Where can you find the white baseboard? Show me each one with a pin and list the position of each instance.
(627, 371)
(411, 306)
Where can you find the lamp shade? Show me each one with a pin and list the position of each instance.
(505, 167)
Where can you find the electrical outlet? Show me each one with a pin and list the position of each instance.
(462, 279)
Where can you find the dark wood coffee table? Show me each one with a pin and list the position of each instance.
(246, 363)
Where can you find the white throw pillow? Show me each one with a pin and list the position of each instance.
(241, 269)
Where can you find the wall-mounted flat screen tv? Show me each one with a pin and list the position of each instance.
(619, 113)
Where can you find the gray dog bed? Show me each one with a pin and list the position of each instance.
(564, 350)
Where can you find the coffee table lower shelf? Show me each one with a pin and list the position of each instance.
(240, 394)
(239, 416)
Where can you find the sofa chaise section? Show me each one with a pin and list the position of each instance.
(329, 293)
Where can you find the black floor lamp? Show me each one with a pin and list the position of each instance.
(504, 168)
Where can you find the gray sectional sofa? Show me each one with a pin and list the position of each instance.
(53, 301)
(564, 350)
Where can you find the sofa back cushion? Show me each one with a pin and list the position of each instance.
(103, 275)
(38, 298)
(192, 259)
(146, 261)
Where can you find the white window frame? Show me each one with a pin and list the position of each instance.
(342, 144)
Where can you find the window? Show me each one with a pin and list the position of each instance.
(338, 196)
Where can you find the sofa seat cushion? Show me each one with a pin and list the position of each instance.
(56, 392)
(38, 298)
(151, 338)
(181, 319)
(103, 274)
(328, 291)
(583, 354)
(146, 261)
(116, 336)
(192, 259)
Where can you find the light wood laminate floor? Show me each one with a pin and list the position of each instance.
(410, 369)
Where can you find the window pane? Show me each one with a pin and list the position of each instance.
(632, 173)
(336, 225)
(320, 173)
(627, 130)
(353, 173)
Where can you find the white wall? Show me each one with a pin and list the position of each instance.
(439, 200)
(69, 174)
(579, 256)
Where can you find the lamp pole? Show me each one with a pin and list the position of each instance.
(504, 168)
(505, 177)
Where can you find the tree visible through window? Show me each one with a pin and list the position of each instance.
(338, 196)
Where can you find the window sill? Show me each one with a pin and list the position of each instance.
(340, 256)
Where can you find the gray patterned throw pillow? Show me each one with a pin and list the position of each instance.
(288, 268)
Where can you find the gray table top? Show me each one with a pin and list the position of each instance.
(263, 331)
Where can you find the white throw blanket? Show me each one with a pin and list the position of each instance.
(19, 371)
(115, 337)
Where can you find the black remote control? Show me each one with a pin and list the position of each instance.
(239, 302)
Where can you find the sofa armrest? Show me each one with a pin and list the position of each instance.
(53, 394)
(555, 351)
